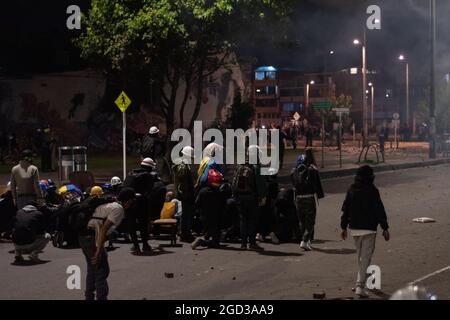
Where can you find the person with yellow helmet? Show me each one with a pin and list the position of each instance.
(96, 191)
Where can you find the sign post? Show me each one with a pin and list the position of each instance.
(339, 112)
(325, 105)
(396, 123)
(123, 102)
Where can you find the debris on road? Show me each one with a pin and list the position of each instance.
(234, 278)
(212, 268)
(319, 295)
(168, 274)
(424, 220)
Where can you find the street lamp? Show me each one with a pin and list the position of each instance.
(372, 103)
(402, 58)
(432, 130)
(364, 86)
(311, 83)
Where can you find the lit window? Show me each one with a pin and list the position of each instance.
(259, 75)
(354, 71)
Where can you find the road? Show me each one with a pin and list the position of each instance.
(281, 271)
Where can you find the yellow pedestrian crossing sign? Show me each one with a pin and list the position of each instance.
(122, 101)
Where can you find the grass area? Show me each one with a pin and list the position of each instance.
(102, 162)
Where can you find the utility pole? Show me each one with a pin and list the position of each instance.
(364, 89)
(432, 151)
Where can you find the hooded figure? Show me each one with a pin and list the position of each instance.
(362, 212)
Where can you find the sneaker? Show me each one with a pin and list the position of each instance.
(18, 259)
(244, 246)
(274, 238)
(303, 245)
(34, 256)
(308, 246)
(361, 292)
(196, 243)
(135, 250)
(255, 246)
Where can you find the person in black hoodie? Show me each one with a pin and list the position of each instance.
(362, 212)
(29, 233)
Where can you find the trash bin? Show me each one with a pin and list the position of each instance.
(65, 163)
(80, 158)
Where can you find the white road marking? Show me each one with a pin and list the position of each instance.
(430, 275)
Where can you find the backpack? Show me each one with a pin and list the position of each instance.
(301, 177)
(215, 178)
(244, 181)
(139, 180)
(79, 213)
(148, 147)
(183, 180)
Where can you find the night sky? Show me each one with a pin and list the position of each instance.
(35, 38)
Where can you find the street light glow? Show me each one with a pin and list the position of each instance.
(401, 57)
(370, 84)
(312, 82)
(331, 51)
(356, 42)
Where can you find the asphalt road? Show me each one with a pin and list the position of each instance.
(281, 271)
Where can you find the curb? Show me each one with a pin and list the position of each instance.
(382, 168)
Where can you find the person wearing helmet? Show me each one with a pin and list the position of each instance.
(307, 185)
(184, 191)
(362, 212)
(155, 148)
(25, 181)
(96, 191)
(210, 203)
(142, 181)
(116, 184)
(249, 191)
(208, 163)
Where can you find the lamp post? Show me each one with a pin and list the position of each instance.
(402, 58)
(372, 103)
(432, 151)
(312, 82)
(364, 86)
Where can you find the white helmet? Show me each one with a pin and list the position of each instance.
(115, 181)
(188, 151)
(148, 162)
(153, 130)
(8, 186)
(211, 148)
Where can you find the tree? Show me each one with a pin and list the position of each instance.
(241, 113)
(442, 108)
(170, 41)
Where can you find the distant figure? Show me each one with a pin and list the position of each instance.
(293, 133)
(25, 181)
(309, 137)
(155, 148)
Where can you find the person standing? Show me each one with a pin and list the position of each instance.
(25, 181)
(362, 212)
(309, 136)
(104, 220)
(142, 181)
(293, 134)
(184, 191)
(306, 182)
(281, 142)
(249, 191)
(155, 148)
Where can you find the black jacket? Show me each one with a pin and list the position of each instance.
(152, 147)
(28, 224)
(363, 208)
(313, 185)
